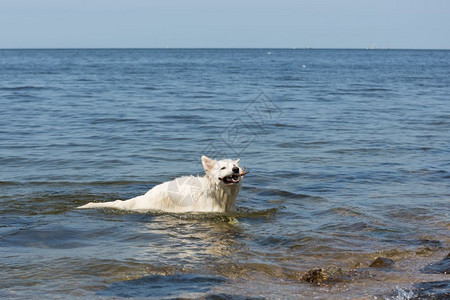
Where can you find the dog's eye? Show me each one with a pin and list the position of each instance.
(223, 168)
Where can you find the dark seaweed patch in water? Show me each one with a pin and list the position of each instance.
(160, 286)
(432, 290)
(442, 266)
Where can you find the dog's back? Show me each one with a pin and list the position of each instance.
(188, 193)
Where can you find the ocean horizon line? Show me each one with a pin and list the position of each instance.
(219, 48)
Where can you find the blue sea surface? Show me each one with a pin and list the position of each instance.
(348, 153)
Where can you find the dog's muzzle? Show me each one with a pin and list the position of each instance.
(230, 179)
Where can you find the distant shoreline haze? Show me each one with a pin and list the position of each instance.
(219, 48)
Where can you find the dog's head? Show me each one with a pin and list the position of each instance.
(223, 172)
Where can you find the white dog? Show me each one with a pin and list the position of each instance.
(214, 192)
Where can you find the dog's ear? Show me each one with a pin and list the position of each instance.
(208, 163)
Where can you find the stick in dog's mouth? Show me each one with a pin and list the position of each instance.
(243, 173)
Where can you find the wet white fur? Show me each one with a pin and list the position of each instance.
(187, 194)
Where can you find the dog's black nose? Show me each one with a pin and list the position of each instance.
(235, 170)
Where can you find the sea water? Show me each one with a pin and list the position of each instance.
(348, 153)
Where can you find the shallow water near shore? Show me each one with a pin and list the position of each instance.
(348, 153)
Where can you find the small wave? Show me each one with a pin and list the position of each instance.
(288, 86)
(163, 286)
(376, 90)
(289, 145)
(77, 183)
(241, 212)
(6, 183)
(363, 150)
(282, 193)
(289, 78)
(22, 87)
(365, 91)
(112, 120)
(197, 96)
(184, 117)
(285, 125)
(56, 238)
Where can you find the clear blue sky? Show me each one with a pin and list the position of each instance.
(224, 23)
